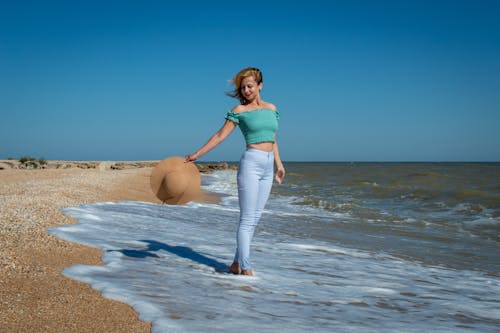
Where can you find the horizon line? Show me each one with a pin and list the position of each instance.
(290, 161)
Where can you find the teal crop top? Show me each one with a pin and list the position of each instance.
(257, 125)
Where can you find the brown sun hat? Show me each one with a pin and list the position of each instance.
(174, 181)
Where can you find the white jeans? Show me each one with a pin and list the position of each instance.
(255, 179)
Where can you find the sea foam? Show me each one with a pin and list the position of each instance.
(170, 262)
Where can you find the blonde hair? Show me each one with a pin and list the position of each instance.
(245, 72)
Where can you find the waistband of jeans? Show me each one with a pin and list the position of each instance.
(259, 151)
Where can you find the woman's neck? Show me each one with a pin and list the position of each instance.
(257, 102)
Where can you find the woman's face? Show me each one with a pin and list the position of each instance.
(249, 88)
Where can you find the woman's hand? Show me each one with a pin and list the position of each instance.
(191, 158)
(279, 175)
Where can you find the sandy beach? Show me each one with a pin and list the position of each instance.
(34, 296)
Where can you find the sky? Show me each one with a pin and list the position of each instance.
(353, 80)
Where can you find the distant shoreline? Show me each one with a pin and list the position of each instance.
(203, 167)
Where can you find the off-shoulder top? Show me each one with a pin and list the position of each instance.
(257, 125)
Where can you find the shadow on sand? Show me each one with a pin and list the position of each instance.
(181, 251)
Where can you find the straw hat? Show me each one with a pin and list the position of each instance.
(174, 181)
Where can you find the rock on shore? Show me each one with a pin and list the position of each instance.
(203, 167)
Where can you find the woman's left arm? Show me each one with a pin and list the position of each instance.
(280, 169)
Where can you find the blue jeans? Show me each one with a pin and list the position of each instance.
(255, 179)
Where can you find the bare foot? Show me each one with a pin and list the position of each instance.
(235, 268)
(247, 272)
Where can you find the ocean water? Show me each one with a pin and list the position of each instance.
(341, 247)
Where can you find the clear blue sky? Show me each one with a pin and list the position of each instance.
(353, 80)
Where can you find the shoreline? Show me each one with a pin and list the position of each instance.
(34, 295)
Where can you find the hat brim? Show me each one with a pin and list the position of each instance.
(175, 167)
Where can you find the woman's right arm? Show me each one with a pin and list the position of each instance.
(217, 138)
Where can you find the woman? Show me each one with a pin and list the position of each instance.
(258, 121)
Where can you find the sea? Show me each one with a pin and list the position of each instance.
(341, 247)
